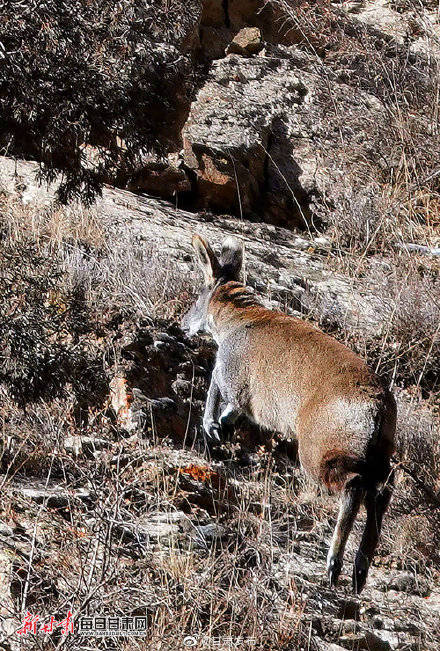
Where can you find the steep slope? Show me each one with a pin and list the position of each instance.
(226, 545)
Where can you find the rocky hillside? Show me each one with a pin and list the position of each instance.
(311, 131)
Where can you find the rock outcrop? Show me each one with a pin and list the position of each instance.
(263, 136)
(412, 24)
(287, 269)
(159, 179)
(274, 131)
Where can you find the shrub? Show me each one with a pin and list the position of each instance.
(413, 332)
(101, 73)
(41, 326)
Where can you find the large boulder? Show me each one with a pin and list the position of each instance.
(413, 25)
(381, 16)
(269, 134)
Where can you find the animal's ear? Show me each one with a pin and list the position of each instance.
(231, 259)
(207, 260)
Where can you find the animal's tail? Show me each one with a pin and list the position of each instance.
(338, 467)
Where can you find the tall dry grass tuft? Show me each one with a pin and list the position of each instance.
(394, 196)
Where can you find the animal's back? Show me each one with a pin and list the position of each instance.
(291, 377)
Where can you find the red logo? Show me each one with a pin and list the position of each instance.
(30, 625)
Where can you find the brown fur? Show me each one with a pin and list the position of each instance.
(292, 378)
(337, 467)
(291, 356)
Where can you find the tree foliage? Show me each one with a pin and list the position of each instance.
(113, 74)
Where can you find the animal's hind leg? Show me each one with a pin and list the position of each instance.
(351, 499)
(376, 503)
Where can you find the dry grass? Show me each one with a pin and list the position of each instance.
(92, 555)
(412, 532)
(413, 331)
(63, 279)
(404, 289)
(130, 276)
(123, 274)
(391, 193)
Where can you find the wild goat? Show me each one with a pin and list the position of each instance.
(290, 377)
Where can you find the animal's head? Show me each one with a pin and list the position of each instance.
(215, 272)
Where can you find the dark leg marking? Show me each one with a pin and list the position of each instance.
(351, 499)
(376, 503)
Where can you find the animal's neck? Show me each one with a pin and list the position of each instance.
(232, 305)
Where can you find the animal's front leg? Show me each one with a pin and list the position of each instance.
(213, 400)
(229, 415)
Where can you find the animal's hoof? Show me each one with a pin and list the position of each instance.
(213, 431)
(334, 568)
(227, 431)
(360, 572)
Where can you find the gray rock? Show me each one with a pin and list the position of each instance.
(365, 640)
(376, 641)
(393, 639)
(157, 529)
(409, 583)
(182, 387)
(78, 444)
(259, 122)
(417, 27)
(52, 495)
(5, 529)
(209, 532)
(73, 444)
(167, 517)
(380, 16)
(162, 403)
(163, 528)
(164, 336)
(160, 345)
